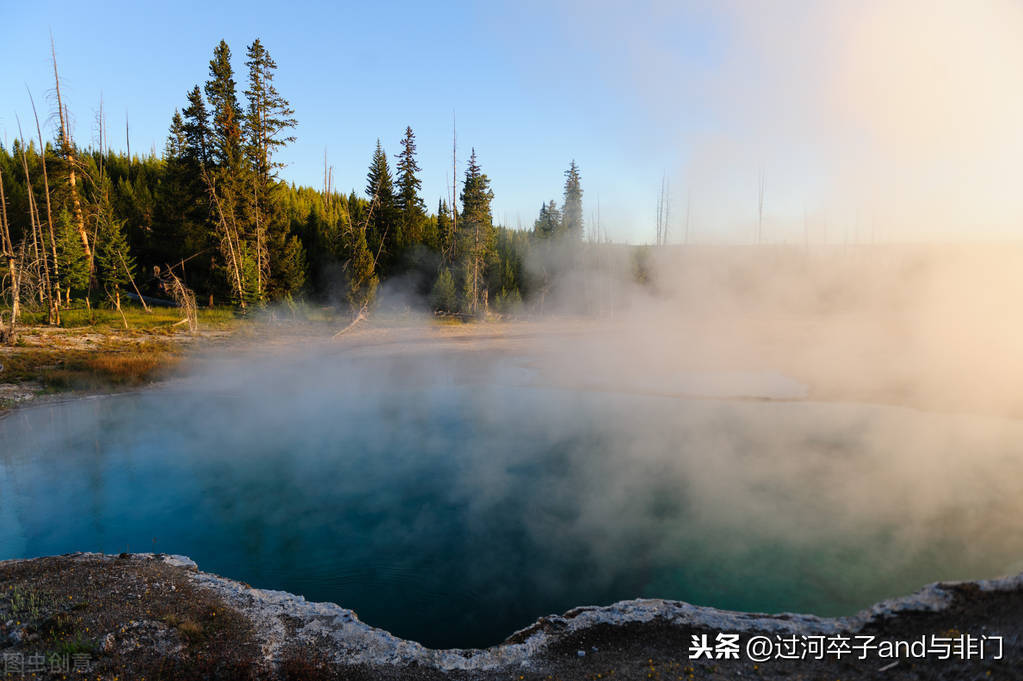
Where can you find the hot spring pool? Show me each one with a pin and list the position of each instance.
(454, 512)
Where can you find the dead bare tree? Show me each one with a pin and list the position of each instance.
(229, 238)
(7, 253)
(183, 296)
(364, 307)
(49, 212)
(689, 205)
(760, 207)
(663, 212)
(660, 213)
(101, 128)
(67, 150)
(262, 256)
(454, 177)
(665, 228)
(38, 243)
(326, 177)
(133, 285)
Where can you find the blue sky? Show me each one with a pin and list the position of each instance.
(829, 100)
(526, 96)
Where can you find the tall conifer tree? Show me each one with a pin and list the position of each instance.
(382, 225)
(477, 230)
(227, 113)
(196, 129)
(230, 182)
(548, 224)
(572, 211)
(267, 127)
(412, 210)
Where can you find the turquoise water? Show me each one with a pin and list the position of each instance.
(454, 513)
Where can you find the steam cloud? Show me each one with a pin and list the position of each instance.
(760, 428)
(889, 120)
(774, 427)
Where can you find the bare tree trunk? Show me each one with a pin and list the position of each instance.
(667, 211)
(132, 280)
(689, 204)
(117, 304)
(260, 245)
(102, 121)
(49, 211)
(7, 251)
(45, 289)
(67, 149)
(233, 251)
(358, 318)
(184, 297)
(454, 183)
(52, 288)
(39, 246)
(660, 214)
(476, 269)
(364, 308)
(760, 207)
(15, 294)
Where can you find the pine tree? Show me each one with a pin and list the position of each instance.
(431, 235)
(379, 185)
(477, 234)
(412, 210)
(382, 225)
(444, 297)
(507, 276)
(195, 129)
(269, 117)
(548, 224)
(446, 241)
(182, 226)
(572, 225)
(115, 266)
(362, 277)
(74, 263)
(229, 183)
(292, 267)
(177, 142)
(227, 113)
(266, 127)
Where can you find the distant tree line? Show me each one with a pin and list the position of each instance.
(89, 225)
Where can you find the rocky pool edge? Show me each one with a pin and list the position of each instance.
(282, 620)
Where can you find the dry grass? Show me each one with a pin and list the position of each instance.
(87, 369)
(130, 368)
(189, 628)
(79, 356)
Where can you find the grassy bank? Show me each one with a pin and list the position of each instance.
(92, 351)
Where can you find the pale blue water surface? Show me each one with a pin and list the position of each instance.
(454, 512)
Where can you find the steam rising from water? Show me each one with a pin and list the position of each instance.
(771, 428)
(892, 120)
(453, 485)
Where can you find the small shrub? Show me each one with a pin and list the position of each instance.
(190, 629)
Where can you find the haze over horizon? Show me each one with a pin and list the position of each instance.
(886, 121)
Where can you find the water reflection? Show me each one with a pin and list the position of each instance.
(455, 513)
